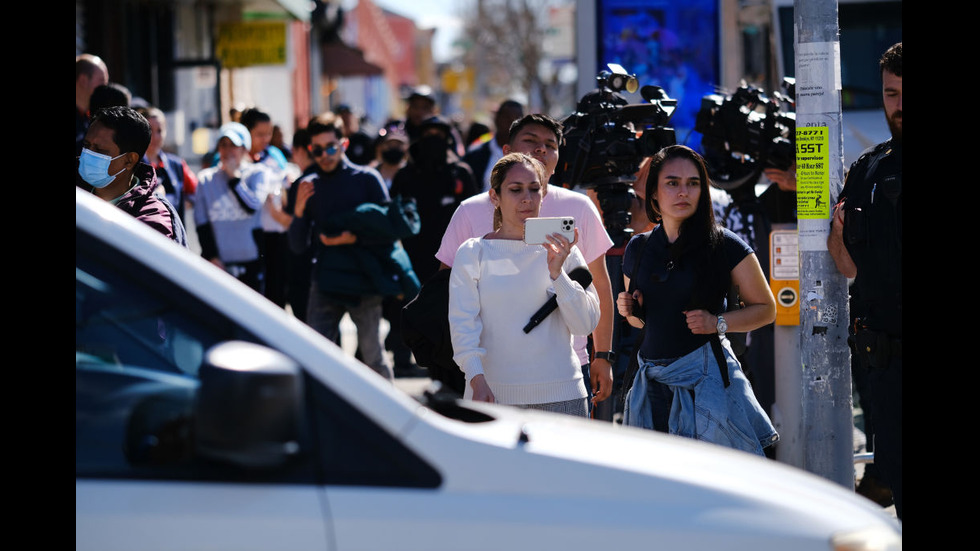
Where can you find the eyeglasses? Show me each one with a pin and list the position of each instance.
(316, 150)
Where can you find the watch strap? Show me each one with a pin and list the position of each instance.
(609, 356)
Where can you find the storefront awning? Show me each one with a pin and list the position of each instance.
(300, 9)
(296, 9)
(341, 60)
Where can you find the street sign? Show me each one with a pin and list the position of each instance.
(247, 43)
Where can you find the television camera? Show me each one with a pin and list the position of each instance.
(607, 138)
(745, 132)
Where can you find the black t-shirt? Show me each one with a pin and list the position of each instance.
(668, 291)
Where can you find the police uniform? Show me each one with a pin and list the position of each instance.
(872, 197)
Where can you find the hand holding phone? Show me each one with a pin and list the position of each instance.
(536, 230)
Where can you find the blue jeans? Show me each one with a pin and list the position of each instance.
(324, 315)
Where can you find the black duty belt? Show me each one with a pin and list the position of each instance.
(875, 348)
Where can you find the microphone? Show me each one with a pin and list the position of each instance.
(580, 275)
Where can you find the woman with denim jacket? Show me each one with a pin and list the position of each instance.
(687, 265)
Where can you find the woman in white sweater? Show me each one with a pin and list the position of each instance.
(496, 285)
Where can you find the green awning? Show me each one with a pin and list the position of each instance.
(300, 9)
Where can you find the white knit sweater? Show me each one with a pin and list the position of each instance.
(495, 287)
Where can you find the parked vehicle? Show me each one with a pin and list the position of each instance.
(208, 418)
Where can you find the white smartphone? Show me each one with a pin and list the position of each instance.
(536, 229)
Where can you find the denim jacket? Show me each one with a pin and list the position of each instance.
(727, 416)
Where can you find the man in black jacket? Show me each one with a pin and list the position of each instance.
(866, 244)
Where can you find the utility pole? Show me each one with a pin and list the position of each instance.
(828, 425)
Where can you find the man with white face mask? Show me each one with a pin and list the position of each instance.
(110, 167)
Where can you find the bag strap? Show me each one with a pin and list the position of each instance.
(634, 365)
(642, 242)
(720, 358)
(716, 339)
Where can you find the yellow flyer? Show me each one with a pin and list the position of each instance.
(813, 172)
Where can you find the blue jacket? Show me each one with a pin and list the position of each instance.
(377, 264)
(729, 416)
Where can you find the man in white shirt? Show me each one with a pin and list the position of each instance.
(540, 136)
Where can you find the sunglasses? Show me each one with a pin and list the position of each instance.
(316, 150)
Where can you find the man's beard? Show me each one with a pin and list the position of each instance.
(895, 125)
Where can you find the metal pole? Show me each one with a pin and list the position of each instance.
(586, 45)
(828, 436)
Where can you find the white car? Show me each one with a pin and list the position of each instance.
(208, 418)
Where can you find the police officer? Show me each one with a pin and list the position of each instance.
(866, 244)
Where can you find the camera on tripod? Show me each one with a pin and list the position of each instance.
(607, 138)
(746, 132)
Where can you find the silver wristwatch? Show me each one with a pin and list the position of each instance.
(722, 326)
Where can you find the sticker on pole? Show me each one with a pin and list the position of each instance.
(813, 172)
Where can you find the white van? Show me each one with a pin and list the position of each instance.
(208, 418)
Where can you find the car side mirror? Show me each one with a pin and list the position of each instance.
(249, 405)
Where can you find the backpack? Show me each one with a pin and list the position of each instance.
(425, 330)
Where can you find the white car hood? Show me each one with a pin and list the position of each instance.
(568, 457)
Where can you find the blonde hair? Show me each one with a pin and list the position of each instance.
(499, 173)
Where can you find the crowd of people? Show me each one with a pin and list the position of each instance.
(339, 222)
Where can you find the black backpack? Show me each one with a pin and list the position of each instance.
(425, 330)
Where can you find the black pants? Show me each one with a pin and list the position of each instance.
(276, 256)
(391, 310)
(249, 273)
(885, 384)
(298, 289)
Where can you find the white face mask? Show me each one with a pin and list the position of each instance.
(94, 168)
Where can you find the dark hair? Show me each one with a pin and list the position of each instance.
(891, 60)
(510, 104)
(252, 116)
(301, 138)
(131, 131)
(700, 227)
(474, 132)
(109, 95)
(537, 118)
(326, 122)
(499, 172)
